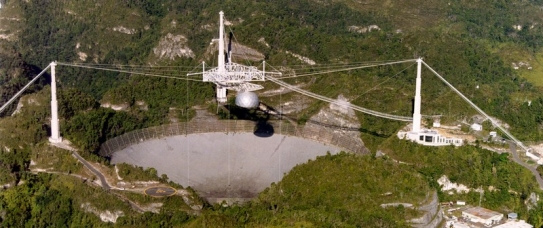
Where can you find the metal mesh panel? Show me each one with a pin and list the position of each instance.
(227, 126)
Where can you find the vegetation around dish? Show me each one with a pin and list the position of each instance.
(473, 44)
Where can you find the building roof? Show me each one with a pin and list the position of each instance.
(429, 132)
(512, 215)
(457, 224)
(515, 224)
(481, 212)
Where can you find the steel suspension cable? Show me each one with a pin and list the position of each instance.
(350, 68)
(127, 72)
(23, 89)
(494, 122)
(333, 101)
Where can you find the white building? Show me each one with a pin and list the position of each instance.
(515, 224)
(482, 215)
(432, 138)
(476, 127)
(532, 156)
(457, 224)
(512, 215)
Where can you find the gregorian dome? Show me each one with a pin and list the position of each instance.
(247, 100)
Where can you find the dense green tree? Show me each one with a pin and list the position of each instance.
(89, 129)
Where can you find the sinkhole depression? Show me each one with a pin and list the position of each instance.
(221, 165)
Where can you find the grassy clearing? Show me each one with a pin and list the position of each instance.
(54, 159)
(535, 75)
(513, 54)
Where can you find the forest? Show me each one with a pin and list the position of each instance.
(461, 40)
(469, 61)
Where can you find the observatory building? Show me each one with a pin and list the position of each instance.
(433, 138)
(482, 215)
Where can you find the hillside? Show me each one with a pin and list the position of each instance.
(472, 45)
(344, 189)
(490, 50)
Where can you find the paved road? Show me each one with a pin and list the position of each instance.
(105, 185)
(517, 159)
(103, 181)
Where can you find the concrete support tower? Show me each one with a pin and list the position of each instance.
(416, 112)
(221, 91)
(55, 127)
